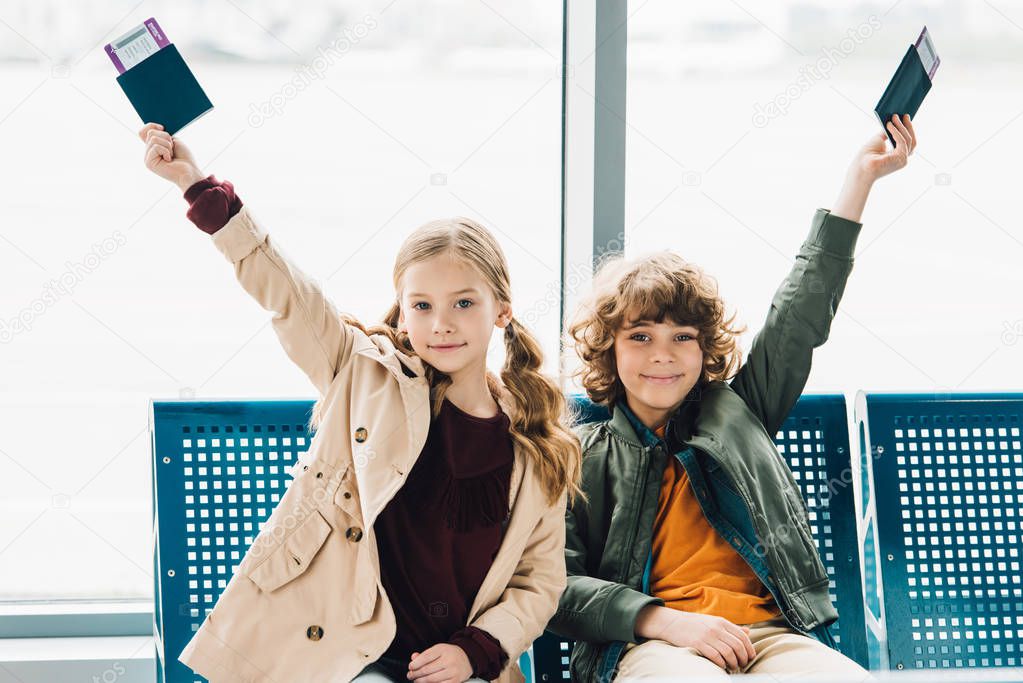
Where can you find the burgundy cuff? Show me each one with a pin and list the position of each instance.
(483, 650)
(212, 203)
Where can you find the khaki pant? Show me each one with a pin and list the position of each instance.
(783, 654)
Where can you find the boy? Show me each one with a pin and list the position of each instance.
(693, 555)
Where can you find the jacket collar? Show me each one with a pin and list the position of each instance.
(626, 425)
(646, 436)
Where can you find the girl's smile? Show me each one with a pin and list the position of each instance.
(445, 348)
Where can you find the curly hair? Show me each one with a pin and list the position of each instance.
(654, 287)
(541, 426)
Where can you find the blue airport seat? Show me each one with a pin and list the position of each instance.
(941, 529)
(220, 467)
(814, 441)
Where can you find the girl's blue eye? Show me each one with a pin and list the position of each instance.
(416, 305)
(467, 301)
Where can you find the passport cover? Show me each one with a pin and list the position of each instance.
(163, 90)
(905, 92)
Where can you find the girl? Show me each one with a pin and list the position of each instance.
(423, 536)
(694, 552)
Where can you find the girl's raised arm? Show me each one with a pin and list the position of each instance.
(309, 327)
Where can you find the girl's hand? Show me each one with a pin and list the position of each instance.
(442, 663)
(168, 157)
(717, 639)
(875, 161)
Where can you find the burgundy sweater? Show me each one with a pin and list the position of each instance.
(439, 535)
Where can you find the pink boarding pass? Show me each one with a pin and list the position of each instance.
(137, 44)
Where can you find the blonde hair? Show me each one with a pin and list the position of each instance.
(540, 426)
(653, 287)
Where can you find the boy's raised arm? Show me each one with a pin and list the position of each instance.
(779, 360)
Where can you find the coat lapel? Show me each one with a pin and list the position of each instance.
(376, 488)
(521, 520)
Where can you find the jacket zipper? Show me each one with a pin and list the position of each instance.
(613, 650)
(635, 527)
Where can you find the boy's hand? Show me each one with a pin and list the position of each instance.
(168, 157)
(875, 160)
(717, 639)
(442, 663)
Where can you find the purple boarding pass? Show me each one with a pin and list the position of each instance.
(137, 44)
(928, 55)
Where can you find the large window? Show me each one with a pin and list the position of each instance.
(343, 126)
(346, 125)
(742, 118)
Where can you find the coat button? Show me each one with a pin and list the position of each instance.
(348, 494)
(314, 633)
(354, 534)
(361, 434)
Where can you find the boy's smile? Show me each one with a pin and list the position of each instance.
(658, 364)
(660, 379)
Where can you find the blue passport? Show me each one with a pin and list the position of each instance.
(910, 84)
(163, 90)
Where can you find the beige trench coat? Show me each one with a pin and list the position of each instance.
(306, 602)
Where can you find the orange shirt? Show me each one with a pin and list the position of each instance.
(696, 570)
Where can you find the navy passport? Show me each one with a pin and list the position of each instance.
(905, 92)
(163, 90)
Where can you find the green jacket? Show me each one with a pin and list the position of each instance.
(723, 439)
